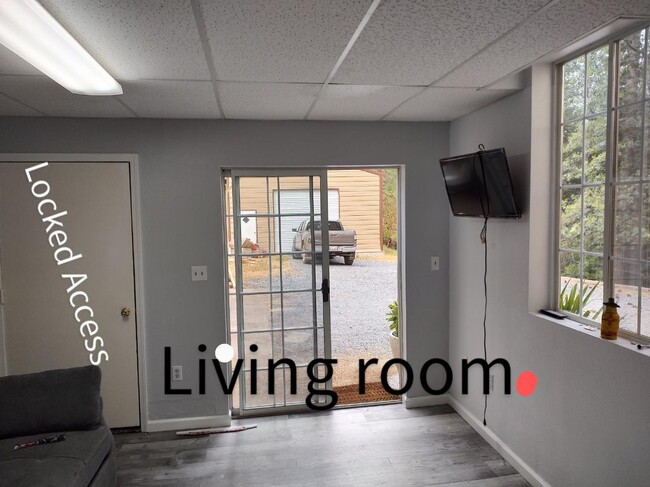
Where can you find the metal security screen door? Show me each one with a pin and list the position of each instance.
(280, 291)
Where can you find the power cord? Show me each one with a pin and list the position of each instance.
(483, 236)
(484, 242)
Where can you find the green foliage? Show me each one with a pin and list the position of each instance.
(583, 211)
(573, 300)
(584, 144)
(393, 317)
(389, 199)
(584, 140)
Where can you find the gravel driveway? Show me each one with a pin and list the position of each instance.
(360, 295)
(359, 299)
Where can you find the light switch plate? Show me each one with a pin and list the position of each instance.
(435, 263)
(199, 273)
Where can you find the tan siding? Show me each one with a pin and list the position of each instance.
(359, 203)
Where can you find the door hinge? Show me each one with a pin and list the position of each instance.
(2, 296)
(326, 290)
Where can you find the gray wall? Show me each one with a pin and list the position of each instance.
(182, 217)
(587, 423)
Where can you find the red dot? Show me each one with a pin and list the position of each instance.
(526, 383)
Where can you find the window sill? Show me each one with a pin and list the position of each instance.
(595, 334)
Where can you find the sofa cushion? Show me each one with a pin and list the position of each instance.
(55, 400)
(107, 474)
(68, 463)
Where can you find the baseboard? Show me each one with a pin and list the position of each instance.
(178, 424)
(522, 467)
(424, 401)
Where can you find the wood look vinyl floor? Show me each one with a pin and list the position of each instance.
(368, 446)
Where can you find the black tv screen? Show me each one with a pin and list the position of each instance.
(479, 185)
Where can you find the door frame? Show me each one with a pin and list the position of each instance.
(136, 229)
(225, 171)
(3, 355)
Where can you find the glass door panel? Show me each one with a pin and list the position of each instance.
(281, 282)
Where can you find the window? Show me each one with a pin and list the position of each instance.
(604, 194)
(334, 226)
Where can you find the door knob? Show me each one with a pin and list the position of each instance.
(126, 312)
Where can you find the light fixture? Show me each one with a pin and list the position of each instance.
(31, 32)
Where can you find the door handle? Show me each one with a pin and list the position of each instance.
(326, 290)
(125, 312)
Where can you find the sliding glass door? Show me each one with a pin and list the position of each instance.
(280, 283)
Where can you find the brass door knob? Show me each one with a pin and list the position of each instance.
(126, 312)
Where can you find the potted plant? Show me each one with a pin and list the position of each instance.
(393, 326)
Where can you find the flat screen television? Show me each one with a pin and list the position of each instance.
(479, 185)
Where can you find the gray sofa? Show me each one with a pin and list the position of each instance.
(48, 403)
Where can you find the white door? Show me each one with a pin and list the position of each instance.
(54, 316)
(295, 204)
(249, 226)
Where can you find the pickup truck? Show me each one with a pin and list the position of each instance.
(342, 242)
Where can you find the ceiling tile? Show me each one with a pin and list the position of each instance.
(11, 63)
(11, 108)
(280, 40)
(171, 99)
(415, 42)
(443, 104)
(359, 102)
(285, 101)
(47, 96)
(133, 40)
(553, 28)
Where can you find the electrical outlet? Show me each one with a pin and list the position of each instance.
(435, 263)
(491, 383)
(177, 372)
(199, 273)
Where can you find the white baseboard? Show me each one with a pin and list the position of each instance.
(178, 424)
(423, 401)
(522, 467)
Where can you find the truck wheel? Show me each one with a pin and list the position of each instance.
(306, 259)
(348, 260)
(295, 254)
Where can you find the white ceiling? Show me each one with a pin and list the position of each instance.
(403, 60)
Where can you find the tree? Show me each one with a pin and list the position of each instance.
(584, 135)
(583, 162)
(389, 200)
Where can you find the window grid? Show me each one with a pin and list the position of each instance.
(632, 184)
(582, 187)
(634, 264)
(586, 117)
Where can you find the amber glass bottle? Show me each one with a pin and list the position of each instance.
(609, 321)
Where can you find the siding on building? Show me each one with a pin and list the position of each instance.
(360, 204)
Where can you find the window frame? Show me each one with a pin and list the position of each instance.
(611, 145)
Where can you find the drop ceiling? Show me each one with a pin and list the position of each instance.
(402, 60)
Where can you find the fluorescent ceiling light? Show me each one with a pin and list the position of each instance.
(31, 32)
